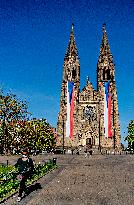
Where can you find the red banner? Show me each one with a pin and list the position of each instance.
(109, 116)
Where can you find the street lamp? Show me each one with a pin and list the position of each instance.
(99, 128)
(114, 137)
(63, 124)
(99, 135)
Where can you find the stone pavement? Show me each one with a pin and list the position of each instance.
(96, 180)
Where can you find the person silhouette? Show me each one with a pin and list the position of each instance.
(25, 167)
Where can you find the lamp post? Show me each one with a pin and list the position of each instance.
(99, 135)
(63, 124)
(99, 128)
(114, 137)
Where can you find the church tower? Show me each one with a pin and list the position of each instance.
(71, 72)
(91, 115)
(106, 78)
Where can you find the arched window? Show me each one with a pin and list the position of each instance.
(108, 74)
(73, 73)
(104, 74)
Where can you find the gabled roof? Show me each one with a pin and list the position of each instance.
(88, 86)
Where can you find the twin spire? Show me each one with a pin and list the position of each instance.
(104, 48)
(72, 48)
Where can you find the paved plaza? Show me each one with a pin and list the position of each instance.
(95, 180)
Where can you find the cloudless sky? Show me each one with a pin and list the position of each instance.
(34, 35)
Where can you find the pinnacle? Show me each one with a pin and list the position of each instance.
(72, 27)
(104, 27)
(72, 49)
(104, 38)
(105, 48)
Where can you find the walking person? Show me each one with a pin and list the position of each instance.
(25, 167)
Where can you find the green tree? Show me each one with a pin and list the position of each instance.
(41, 136)
(130, 137)
(12, 109)
(16, 131)
(34, 134)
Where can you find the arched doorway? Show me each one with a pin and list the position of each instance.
(89, 142)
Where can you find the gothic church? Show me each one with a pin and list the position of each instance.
(89, 104)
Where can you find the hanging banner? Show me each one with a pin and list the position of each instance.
(70, 109)
(107, 110)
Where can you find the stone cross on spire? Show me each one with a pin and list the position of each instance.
(104, 27)
(72, 26)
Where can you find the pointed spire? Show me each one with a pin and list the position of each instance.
(72, 49)
(104, 37)
(104, 48)
(105, 66)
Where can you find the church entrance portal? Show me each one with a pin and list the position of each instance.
(89, 142)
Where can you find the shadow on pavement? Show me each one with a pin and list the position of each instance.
(32, 188)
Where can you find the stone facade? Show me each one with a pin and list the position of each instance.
(88, 129)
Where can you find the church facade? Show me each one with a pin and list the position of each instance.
(90, 118)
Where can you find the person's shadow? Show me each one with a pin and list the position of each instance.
(31, 188)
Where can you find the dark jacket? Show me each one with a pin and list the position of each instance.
(25, 167)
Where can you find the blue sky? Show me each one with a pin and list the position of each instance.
(34, 35)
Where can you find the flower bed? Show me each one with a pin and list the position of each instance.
(8, 182)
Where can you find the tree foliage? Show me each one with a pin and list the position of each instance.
(37, 134)
(16, 130)
(130, 137)
(11, 109)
